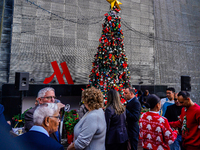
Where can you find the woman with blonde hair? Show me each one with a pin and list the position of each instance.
(89, 132)
(116, 134)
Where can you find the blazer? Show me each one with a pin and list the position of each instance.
(116, 126)
(35, 140)
(29, 123)
(3, 122)
(133, 109)
(90, 131)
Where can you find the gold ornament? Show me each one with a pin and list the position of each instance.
(113, 58)
(114, 3)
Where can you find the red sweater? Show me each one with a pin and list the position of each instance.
(155, 131)
(191, 136)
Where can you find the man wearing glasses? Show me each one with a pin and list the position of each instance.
(46, 121)
(45, 95)
(189, 122)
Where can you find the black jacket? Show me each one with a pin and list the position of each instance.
(133, 109)
(172, 113)
(116, 126)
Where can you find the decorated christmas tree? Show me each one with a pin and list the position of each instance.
(110, 66)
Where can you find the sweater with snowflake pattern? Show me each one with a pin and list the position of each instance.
(155, 131)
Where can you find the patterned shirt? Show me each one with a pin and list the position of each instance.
(155, 131)
(191, 133)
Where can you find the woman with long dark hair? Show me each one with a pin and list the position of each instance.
(116, 134)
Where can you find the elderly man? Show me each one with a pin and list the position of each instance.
(189, 122)
(133, 109)
(45, 95)
(46, 120)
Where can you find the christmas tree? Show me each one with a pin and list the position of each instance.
(110, 66)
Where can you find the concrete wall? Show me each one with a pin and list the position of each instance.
(161, 39)
(177, 48)
(71, 32)
(6, 11)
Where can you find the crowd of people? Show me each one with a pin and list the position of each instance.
(171, 123)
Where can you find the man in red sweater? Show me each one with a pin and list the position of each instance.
(189, 121)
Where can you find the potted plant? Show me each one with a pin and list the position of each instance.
(19, 119)
(70, 120)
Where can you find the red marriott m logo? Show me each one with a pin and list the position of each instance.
(58, 74)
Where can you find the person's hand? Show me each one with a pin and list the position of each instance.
(8, 122)
(60, 105)
(71, 147)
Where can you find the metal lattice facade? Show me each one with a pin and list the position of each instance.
(161, 39)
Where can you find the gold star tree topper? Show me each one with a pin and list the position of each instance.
(114, 3)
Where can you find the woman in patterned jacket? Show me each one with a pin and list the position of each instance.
(155, 130)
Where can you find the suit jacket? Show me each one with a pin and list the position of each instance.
(34, 140)
(116, 126)
(29, 123)
(3, 122)
(133, 109)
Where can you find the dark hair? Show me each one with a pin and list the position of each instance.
(114, 101)
(184, 94)
(140, 92)
(131, 90)
(146, 92)
(152, 100)
(170, 89)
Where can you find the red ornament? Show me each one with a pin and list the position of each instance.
(110, 55)
(109, 18)
(105, 102)
(123, 100)
(106, 40)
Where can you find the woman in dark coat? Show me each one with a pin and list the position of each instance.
(116, 135)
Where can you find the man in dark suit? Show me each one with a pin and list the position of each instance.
(6, 125)
(45, 95)
(46, 121)
(133, 109)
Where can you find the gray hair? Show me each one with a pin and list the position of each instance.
(43, 91)
(43, 111)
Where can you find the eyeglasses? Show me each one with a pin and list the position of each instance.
(58, 117)
(49, 97)
(181, 102)
(175, 99)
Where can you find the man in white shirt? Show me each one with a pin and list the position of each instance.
(169, 100)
